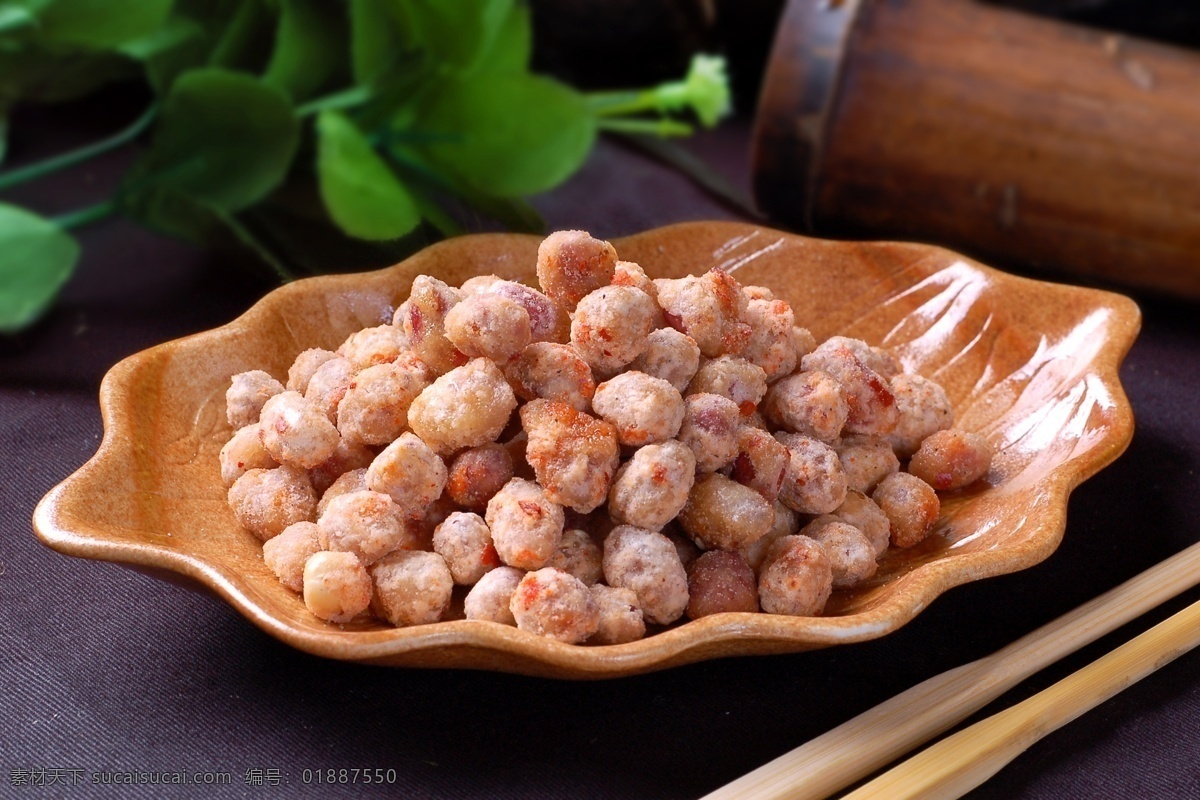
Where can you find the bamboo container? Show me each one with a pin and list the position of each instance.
(1010, 137)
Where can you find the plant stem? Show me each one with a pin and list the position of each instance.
(86, 216)
(60, 162)
(346, 98)
(608, 104)
(247, 238)
(654, 127)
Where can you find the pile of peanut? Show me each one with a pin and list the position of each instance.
(607, 453)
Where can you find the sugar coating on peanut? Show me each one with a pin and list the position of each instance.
(924, 410)
(370, 346)
(772, 344)
(647, 563)
(295, 432)
(265, 501)
(248, 392)
(552, 371)
(643, 409)
(365, 523)
(287, 553)
(869, 399)
(810, 403)
(307, 363)
(670, 355)
(710, 428)
(548, 322)
(951, 459)
(410, 472)
(796, 577)
(489, 598)
(851, 555)
(526, 524)
(862, 512)
(337, 587)
(572, 264)
(374, 409)
(578, 555)
(723, 514)
(554, 604)
(711, 308)
(866, 461)
(354, 480)
(620, 616)
(610, 326)
(911, 506)
(573, 454)
(328, 385)
(423, 319)
(467, 407)
(489, 325)
(761, 462)
(411, 587)
(814, 481)
(243, 452)
(741, 381)
(720, 581)
(651, 488)
(464, 541)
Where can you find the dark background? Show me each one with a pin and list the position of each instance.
(102, 668)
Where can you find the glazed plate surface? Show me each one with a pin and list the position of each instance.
(1031, 365)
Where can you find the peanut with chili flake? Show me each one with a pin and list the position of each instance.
(265, 501)
(610, 327)
(951, 459)
(710, 308)
(644, 410)
(428, 480)
(526, 524)
(796, 577)
(464, 541)
(573, 454)
(572, 264)
(554, 604)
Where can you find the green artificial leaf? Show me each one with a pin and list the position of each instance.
(505, 134)
(512, 46)
(225, 139)
(32, 73)
(361, 192)
(310, 47)
(96, 24)
(172, 34)
(374, 38)
(240, 43)
(36, 258)
(455, 35)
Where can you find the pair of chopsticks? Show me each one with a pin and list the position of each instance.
(963, 761)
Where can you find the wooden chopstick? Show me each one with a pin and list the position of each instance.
(882, 734)
(959, 763)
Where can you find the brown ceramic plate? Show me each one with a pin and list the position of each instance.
(1031, 365)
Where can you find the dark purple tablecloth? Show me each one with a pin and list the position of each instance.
(105, 670)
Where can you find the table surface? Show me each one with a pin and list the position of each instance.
(103, 669)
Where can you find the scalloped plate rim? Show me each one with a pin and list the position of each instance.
(530, 654)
